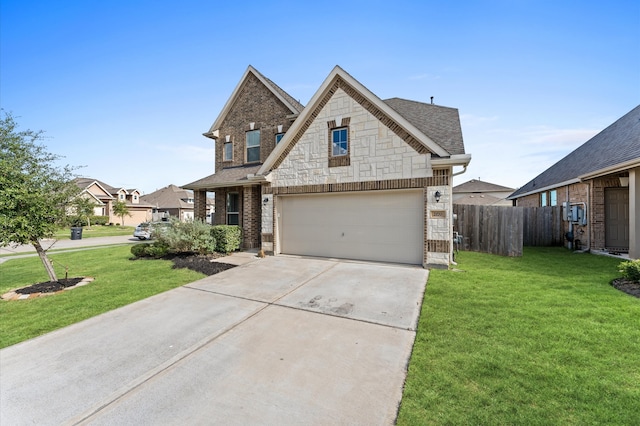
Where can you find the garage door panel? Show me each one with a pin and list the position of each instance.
(382, 226)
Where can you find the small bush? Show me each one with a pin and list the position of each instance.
(228, 237)
(188, 237)
(630, 269)
(139, 250)
(99, 220)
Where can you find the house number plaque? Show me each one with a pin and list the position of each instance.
(438, 214)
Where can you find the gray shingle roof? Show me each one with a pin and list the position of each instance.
(230, 176)
(617, 144)
(441, 124)
(170, 197)
(475, 185)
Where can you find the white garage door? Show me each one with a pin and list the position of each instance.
(383, 226)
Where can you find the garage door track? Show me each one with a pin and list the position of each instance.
(282, 340)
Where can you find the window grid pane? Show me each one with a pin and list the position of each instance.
(340, 143)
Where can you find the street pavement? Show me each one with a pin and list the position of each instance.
(281, 340)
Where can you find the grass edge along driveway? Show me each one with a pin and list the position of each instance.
(118, 282)
(541, 339)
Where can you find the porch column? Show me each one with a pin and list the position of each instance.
(200, 205)
(634, 213)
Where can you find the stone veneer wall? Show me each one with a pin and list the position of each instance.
(376, 152)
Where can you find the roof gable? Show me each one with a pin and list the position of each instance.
(340, 79)
(476, 185)
(616, 145)
(294, 106)
(170, 196)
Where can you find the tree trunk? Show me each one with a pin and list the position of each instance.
(48, 266)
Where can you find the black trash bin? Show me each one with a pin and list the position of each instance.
(76, 232)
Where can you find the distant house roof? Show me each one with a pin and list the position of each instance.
(441, 124)
(230, 176)
(618, 144)
(476, 185)
(85, 183)
(170, 197)
(479, 199)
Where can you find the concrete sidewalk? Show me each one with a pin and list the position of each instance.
(281, 340)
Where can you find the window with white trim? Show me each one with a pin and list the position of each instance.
(227, 150)
(253, 146)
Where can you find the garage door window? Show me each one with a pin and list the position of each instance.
(233, 211)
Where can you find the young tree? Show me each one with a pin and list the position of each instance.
(33, 189)
(84, 209)
(120, 209)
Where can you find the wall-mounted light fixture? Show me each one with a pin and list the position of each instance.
(265, 200)
(437, 195)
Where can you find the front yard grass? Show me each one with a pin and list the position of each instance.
(118, 282)
(541, 339)
(96, 231)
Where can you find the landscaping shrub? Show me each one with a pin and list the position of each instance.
(227, 237)
(188, 237)
(99, 220)
(139, 250)
(630, 269)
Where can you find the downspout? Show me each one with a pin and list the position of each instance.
(460, 172)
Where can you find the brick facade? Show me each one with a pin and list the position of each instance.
(255, 104)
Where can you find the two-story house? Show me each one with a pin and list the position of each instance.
(347, 176)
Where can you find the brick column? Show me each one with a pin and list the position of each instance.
(200, 205)
(251, 216)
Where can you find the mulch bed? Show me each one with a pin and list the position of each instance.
(199, 263)
(627, 286)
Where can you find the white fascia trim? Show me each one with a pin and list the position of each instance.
(320, 93)
(546, 188)
(631, 164)
(220, 185)
(454, 160)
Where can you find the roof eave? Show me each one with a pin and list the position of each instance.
(545, 188)
(616, 168)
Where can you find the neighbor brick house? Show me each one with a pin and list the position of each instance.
(602, 179)
(347, 176)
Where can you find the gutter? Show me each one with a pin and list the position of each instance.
(545, 188)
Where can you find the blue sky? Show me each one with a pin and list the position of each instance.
(126, 88)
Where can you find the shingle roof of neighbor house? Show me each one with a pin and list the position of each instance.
(170, 197)
(441, 124)
(476, 185)
(617, 144)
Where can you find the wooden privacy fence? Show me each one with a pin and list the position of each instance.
(505, 230)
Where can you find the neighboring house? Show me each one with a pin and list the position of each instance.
(479, 192)
(105, 196)
(347, 176)
(173, 201)
(601, 181)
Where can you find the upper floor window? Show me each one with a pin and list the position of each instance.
(339, 142)
(122, 196)
(279, 137)
(227, 151)
(253, 146)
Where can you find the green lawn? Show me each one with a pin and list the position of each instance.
(118, 282)
(96, 231)
(542, 339)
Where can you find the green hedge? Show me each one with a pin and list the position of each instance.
(228, 237)
(99, 220)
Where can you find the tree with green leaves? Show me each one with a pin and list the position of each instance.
(120, 209)
(84, 208)
(34, 191)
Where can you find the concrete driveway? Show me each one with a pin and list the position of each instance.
(282, 340)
